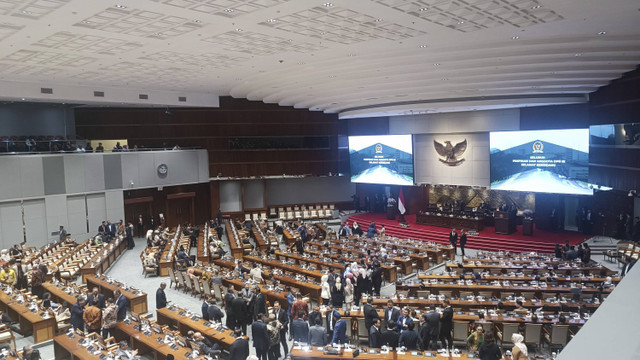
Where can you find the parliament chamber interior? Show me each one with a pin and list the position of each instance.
(278, 179)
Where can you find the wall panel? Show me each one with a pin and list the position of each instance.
(230, 196)
(309, 190)
(253, 194)
(77, 215)
(56, 211)
(35, 222)
(96, 210)
(11, 224)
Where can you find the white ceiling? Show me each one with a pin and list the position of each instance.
(354, 57)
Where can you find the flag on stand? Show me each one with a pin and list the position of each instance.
(401, 207)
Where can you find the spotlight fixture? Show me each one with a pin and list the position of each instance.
(378, 20)
(168, 112)
(536, 7)
(602, 33)
(196, 21)
(328, 4)
(239, 30)
(121, 6)
(423, 46)
(228, 10)
(423, 9)
(515, 37)
(271, 21)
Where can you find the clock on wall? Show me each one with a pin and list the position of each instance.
(163, 169)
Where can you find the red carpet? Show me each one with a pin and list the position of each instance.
(542, 241)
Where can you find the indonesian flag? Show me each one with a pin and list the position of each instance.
(401, 207)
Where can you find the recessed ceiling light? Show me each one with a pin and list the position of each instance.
(423, 46)
(322, 33)
(23, 99)
(196, 21)
(238, 30)
(536, 7)
(86, 22)
(271, 21)
(300, 62)
(328, 4)
(515, 37)
(228, 10)
(26, 12)
(436, 64)
(157, 34)
(423, 9)
(578, 54)
(121, 6)
(602, 33)
(351, 55)
(445, 79)
(378, 20)
(332, 76)
(460, 22)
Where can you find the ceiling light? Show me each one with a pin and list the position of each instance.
(300, 62)
(436, 64)
(445, 79)
(328, 4)
(536, 7)
(26, 12)
(322, 33)
(23, 99)
(423, 9)
(271, 21)
(196, 21)
(238, 30)
(351, 55)
(460, 22)
(423, 46)
(86, 22)
(578, 54)
(378, 20)
(602, 33)
(228, 10)
(157, 34)
(121, 6)
(515, 37)
(332, 76)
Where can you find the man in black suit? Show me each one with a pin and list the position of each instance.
(214, 312)
(432, 325)
(410, 338)
(330, 323)
(259, 302)
(102, 229)
(375, 338)
(283, 318)
(96, 296)
(239, 310)
(260, 337)
(228, 302)
(240, 348)
(300, 329)
(205, 310)
(446, 325)
(370, 313)
(161, 297)
(463, 240)
(391, 314)
(390, 337)
(453, 240)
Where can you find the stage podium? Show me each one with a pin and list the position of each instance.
(505, 222)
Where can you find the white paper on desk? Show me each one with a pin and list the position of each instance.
(297, 347)
(348, 350)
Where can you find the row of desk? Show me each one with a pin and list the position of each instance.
(102, 260)
(41, 323)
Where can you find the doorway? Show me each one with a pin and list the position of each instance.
(180, 209)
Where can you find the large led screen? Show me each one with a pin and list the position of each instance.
(550, 161)
(386, 159)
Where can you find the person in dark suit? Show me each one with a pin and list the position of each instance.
(96, 296)
(446, 325)
(432, 326)
(260, 337)
(300, 329)
(375, 338)
(205, 310)
(206, 347)
(340, 330)
(62, 233)
(453, 240)
(161, 297)
(370, 313)
(391, 314)
(121, 302)
(329, 322)
(240, 348)
(259, 303)
(228, 302)
(77, 312)
(283, 318)
(315, 317)
(239, 310)
(463, 240)
(102, 229)
(390, 337)
(404, 320)
(410, 338)
(215, 314)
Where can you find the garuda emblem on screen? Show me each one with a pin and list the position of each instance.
(451, 153)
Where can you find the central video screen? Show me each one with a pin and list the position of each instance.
(385, 159)
(549, 161)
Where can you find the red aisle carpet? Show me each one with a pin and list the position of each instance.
(542, 241)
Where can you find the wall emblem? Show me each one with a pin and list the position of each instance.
(452, 154)
(537, 147)
(163, 170)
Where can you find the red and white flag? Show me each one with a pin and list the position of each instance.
(401, 207)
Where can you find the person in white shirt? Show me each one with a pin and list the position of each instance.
(124, 352)
(256, 273)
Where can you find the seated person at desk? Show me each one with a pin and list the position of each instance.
(256, 273)
(125, 353)
(205, 345)
(475, 339)
(183, 256)
(575, 291)
(520, 310)
(8, 275)
(29, 353)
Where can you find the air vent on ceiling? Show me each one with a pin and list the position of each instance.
(182, 98)
(98, 93)
(143, 97)
(46, 90)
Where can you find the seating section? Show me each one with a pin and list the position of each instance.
(306, 212)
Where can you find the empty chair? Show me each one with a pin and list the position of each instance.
(188, 285)
(403, 293)
(460, 330)
(558, 336)
(446, 293)
(217, 292)
(504, 334)
(273, 213)
(486, 294)
(532, 334)
(362, 330)
(506, 294)
(206, 289)
(466, 294)
(423, 293)
(528, 294)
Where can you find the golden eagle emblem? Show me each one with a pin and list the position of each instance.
(451, 153)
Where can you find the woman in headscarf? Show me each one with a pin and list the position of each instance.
(337, 294)
(325, 292)
(519, 350)
(349, 291)
(371, 231)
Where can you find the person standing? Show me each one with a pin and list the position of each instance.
(453, 240)
(375, 338)
(161, 297)
(340, 330)
(63, 233)
(274, 329)
(92, 317)
(109, 318)
(463, 240)
(283, 318)
(370, 314)
(121, 303)
(229, 297)
(300, 328)
(214, 312)
(325, 292)
(300, 307)
(240, 347)
(432, 320)
(260, 337)
(446, 325)
(129, 235)
(240, 313)
(37, 278)
(259, 302)
(140, 226)
(77, 312)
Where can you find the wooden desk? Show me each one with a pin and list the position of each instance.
(585, 279)
(137, 302)
(65, 347)
(60, 294)
(451, 222)
(496, 267)
(43, 328)
(261, 244)
(237, 250)
(148, 343)
(392, 355)
(465, 304)
(315, 274)
(301, 259)
(101, 261)
(390, 273)
(202, 253)
(171, 316)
